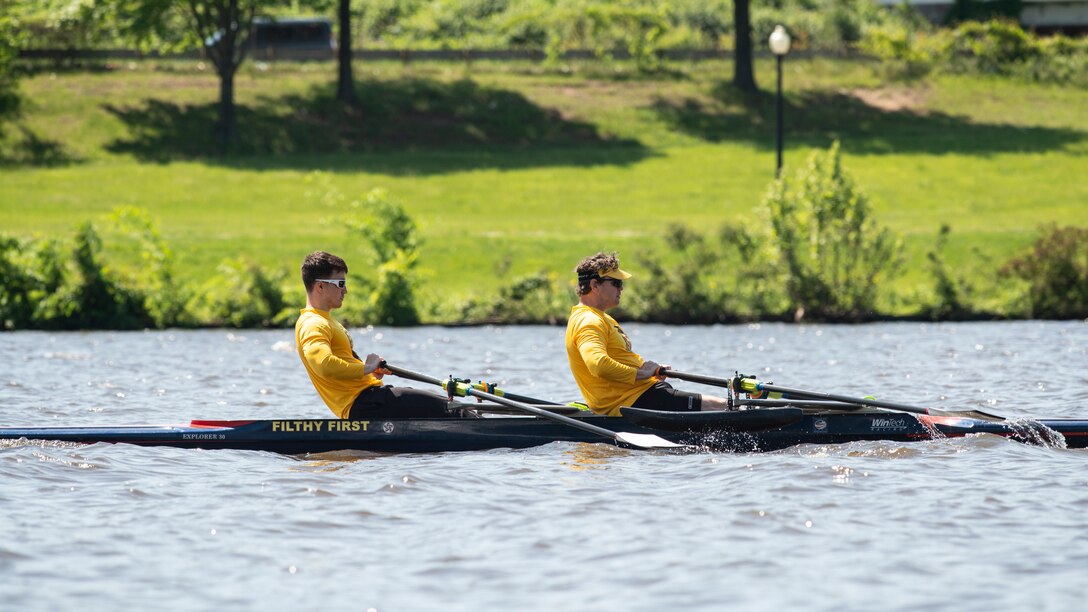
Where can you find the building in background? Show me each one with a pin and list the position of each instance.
(294, 38)
(1068, 16)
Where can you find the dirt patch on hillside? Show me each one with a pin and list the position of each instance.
(893, 99)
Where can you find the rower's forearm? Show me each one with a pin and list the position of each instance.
(609, 369)
(330, 366)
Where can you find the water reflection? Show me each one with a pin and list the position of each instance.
(332, 461)
(584, 456)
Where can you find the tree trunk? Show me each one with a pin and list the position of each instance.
(226, 128)
(345, 88)
(743, 74)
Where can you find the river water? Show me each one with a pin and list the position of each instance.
(966, 524)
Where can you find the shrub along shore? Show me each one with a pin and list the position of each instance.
(496, 178)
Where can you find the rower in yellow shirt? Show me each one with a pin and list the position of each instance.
(351, 387)
(607, 371)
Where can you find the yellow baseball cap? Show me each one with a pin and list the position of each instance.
(615, 273)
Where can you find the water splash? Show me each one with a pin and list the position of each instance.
(1030, 431)
(931, 428)
(724, 441)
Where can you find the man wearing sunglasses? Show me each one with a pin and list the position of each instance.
(352, 388)
(607, 371)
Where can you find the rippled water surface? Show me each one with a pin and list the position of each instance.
(968, 524)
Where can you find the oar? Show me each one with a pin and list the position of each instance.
(798, 403)
(461, 386)
(623, 437)
(460, 389)
(490, 408)
(751, 385)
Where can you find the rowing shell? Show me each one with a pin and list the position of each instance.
(744, 431)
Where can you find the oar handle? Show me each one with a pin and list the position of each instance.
(410, 374)
(697, 378)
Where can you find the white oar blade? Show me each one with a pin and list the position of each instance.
(646, 440)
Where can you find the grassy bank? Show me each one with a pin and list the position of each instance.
(512, 168)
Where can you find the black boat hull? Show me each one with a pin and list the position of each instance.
(748, 434)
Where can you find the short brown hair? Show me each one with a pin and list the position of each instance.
(591, 267)
(320, 264)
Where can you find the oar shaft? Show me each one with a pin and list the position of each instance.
(505, 401)
(799, 403)
(525, 398)
(547, 414)
(630, 439)
(788, 392)
(699, 378)
(500, 399)
(410, 374)
(442, 383)
(750, 385)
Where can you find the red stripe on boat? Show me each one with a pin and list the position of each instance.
(929, 419)
(218, 424)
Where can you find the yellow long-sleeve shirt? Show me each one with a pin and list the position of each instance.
(326, 350)
(602, 362)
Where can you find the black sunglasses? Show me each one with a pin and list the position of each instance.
(617, 283)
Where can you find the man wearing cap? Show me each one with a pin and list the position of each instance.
(607, 371)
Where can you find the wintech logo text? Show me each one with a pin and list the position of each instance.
(889, 424)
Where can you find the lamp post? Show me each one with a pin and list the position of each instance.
(780, 46)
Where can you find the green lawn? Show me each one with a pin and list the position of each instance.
(514, 163)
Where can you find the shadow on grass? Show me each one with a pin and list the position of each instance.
(412, 125)
(29, 149)
(815, 118)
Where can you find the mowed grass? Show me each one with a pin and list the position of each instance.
(512, 168)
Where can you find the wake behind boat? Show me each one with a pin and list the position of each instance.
(757, 429)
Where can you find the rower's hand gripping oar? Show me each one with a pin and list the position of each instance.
(741, 384)
(622, 437)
